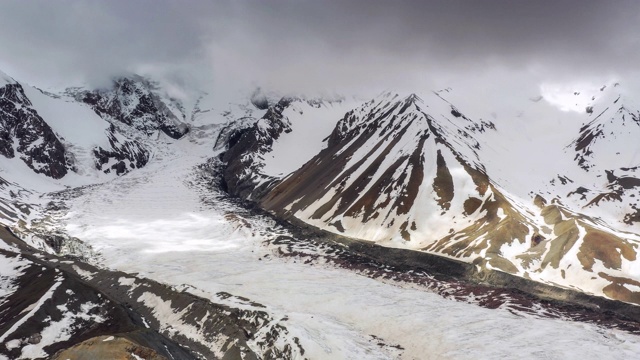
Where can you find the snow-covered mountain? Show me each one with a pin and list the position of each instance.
(604, 149)
(108, 175)
(25, 134)
(87, 131)
(407, 172)
(134, 102)
(614, 119)
(390, 173)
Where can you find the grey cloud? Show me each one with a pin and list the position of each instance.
(90, 40)
(449, 36)
(306, 45)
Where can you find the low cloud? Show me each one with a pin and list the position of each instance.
(306, 46)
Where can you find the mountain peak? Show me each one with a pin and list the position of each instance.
(392, 96)
(413, 98)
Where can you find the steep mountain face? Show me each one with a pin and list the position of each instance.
(54, 134)
(243, 175)
(614, 119)
(134, 110)
(607, 257)
(132, 101)
(387, 171)
(25, 134)
(407, 173)
(260, 151)
(122, 156)
(607, 184)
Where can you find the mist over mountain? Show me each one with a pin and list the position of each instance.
(312, 180)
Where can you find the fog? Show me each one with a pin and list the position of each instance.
(505, 48)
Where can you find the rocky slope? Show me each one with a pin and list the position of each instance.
(80, 131)
(404, 172)
(603, 149)
(64, 306)
(25, 134)
(133, 101)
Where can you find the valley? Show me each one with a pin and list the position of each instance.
(220, 244)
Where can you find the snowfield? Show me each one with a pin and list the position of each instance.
(160, 223)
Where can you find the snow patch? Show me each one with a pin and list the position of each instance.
(47, 295)
(61, 330)
(84, 273)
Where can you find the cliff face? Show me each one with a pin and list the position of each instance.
(25, 134)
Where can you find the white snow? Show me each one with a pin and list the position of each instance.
(74, 121)
(84, 273)
(515, 248)
(155, 225)
(12, 344)
(16, 171)
(126, 281)
(10, 269)
(309, 127)
(58, 331)
(564, 96)
(35, 308)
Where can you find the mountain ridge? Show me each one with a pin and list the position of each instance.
(400, 171)
(495, 231)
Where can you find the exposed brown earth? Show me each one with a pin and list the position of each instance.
(107, 347)
(604, 247)
(443, 183)
(491, 226)
(471, 205)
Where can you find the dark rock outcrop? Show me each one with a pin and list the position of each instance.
(133, 101)
(123, 156)
(25, 134)
(242, 172)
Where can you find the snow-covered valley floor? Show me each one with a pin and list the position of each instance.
(161, 223)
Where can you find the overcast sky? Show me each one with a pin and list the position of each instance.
(319, 45)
